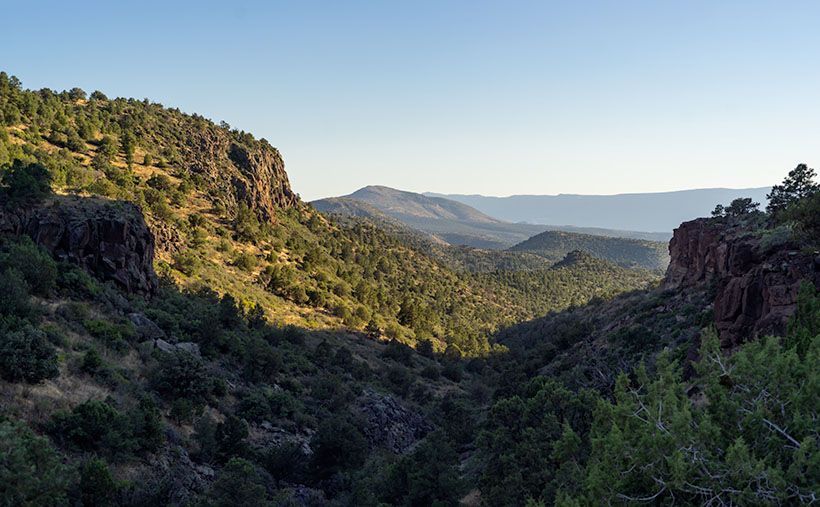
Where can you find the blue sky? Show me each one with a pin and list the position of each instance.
(497, 98)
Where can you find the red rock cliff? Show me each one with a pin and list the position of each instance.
(755, 288)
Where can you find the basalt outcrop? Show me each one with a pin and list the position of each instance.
(109, 240)
(756, 286)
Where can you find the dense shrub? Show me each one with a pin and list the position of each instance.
(452, 370)
(337, 445)
(245, 262)
(97, 487)
(33, 262)
(99, 426)
(238, 485)
(26, 355)
(399, 352)
(76, 283)
(267, 404)
(91, 362)
(25, 183)
(219, 442)
(428, 476)
(115, 335)
(14, 294)
(183, 375)
(32, 473)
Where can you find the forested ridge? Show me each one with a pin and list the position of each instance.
(554, 245)
(288, 357)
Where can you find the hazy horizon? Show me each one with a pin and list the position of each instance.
(433, 193)
(463, 97)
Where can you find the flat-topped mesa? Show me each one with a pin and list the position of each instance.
(253, 174)
(755, 288)
(109, 240)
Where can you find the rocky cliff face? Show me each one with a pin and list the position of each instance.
(110, 240)
(236, 173)
(755, 287)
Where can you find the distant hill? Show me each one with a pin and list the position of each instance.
(614, 233)
(399, 202)
(659, 212)
(444, 219)
(556, 245)
(351, 207)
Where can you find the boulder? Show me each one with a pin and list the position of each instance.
(298, 494)
(146, 329)
(172, 468)
(190, 347)
(389, 424)
(164, 346)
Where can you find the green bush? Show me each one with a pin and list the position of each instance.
(97, 487)
(182, 410)
(115, 335)
(452, 370)
(32, 261)
(160, 182)
(246, 224)
(399, 352)
(14, 294)
(238, 485)
(91, 362)
(187, 263)
(337, 445)
(74, 312)
(245, 262)
(425, 348)
(92, 425)
(428, 476)
(431, 372)
(32, 473)
(99, 426)
(76, 283)
(219, 443)
(261, 360)
(267, 404)
(25, 183)
(26, 355)
(183, 375)
(286, 462)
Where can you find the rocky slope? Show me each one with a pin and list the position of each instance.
(108, 239)
(250, 171)
(756, 286)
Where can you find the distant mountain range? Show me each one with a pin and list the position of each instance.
(658, 212)
(447, 222)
